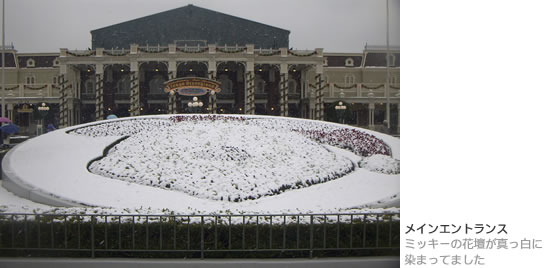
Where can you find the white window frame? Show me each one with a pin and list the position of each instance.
(349, 62)
(31, 62)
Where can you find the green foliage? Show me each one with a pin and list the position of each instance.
(172, 237)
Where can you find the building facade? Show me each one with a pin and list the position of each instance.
(258, 72)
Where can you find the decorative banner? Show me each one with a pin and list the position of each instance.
(230, 51)
(375, 87)
(192, 86)
(191, 50)
(152, 50)
(116, 54)
(278, 52)
(344, 87)
(35, 88)
(86, 54)
(301, 55)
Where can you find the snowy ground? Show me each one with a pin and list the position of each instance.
(58, 162)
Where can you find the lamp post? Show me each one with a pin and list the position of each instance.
(195, 106)
(43, 111)
(340, 111)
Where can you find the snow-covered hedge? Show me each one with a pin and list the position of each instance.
(380, 163)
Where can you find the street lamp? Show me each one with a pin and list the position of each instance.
(340, 111)
(43, 110)
(195, 106)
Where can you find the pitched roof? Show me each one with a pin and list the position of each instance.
(10, 59)
(40, 61)
(189, 23)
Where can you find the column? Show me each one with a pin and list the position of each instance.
(398, 117)
(319, 95)
(134, 89)
(250, 89)
(10, 111)
(371, 115)
(63, 113)
(99, 92)
(283, 89)
(172, 71)
(70, 112)
(212, 97)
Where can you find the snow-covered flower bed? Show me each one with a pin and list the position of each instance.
(230, 158)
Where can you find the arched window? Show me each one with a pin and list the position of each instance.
(227, 84)
(123, 85)
(349, 62)
(292, 86)
(349, 79)
(30, 79)
(89, 86)
(156, 85)
(260, 85)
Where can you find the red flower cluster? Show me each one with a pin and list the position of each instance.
(356, 141)
(213, 117)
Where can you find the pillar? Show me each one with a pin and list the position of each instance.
(250, 101)
(319, 95)
(99, 92)
(134, 89)
(398, 117)
(212, 95)
(283, 89)
(172, 72)
(63, 113)
(371, 115)
(10, 111)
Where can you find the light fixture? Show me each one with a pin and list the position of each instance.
(122, 70)
(226, 69)
(156, 70)
(43, 107)
(190, 70)
(260, 70)
(294, 70)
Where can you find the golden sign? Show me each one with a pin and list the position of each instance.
(192, 86)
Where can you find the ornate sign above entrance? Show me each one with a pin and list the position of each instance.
(191, 86)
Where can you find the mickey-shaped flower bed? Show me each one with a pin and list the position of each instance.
(229, 158)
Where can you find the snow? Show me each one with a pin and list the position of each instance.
(58, 162)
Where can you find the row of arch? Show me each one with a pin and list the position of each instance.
(156, 73)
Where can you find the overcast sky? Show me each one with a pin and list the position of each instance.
(335, 25)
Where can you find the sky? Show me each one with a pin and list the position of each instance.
(335, 25)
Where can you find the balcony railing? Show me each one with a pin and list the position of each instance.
(173, 48)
